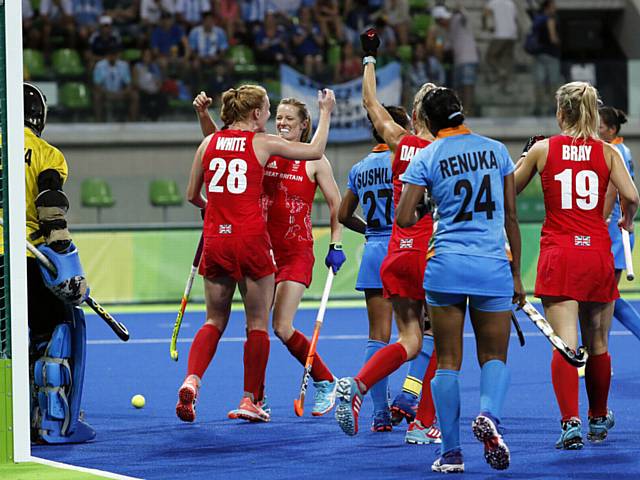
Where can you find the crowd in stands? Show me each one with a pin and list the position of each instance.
(147, 54)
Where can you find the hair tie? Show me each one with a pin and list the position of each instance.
(454, 115)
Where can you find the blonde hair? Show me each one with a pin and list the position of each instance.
(578, 104)
(237, 103)
(421, 118)
(303, 114)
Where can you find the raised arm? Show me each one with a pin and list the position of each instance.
(627, 190)
(201, 105)
(346, 213)
(196, 178)
(513, 236)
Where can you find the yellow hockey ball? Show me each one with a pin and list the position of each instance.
(137, 401)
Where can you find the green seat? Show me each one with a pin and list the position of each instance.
(334, 55)
(405, 54)
(96, 193)
(67, 63)
(34, 63)
(131, 55)
(420, 24)
(164, 193)
(273, 89)
(75, 96)
(244, 62)
(418, 4)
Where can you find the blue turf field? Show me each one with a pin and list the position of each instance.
(152, 443)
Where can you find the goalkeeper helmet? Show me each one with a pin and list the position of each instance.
(35, 108)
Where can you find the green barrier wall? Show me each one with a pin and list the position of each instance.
(152, 266)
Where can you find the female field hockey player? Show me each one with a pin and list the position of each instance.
(370, 185)
(402, 270)
(576, 275)
(470, 178)
(237, 249)
(611, 119)
(287, 202)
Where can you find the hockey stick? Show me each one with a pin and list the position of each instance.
(173, 349)
(577, 358)
(516, 325)
(626, 246)
(118, 328)
(298, 403)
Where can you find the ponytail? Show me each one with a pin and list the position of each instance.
(578, 105)
(237, 103)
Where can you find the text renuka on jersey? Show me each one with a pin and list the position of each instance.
(468, 162)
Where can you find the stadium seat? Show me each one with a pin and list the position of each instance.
(334, 54)
(96, 193)
(405, 54)
(244, 62)
(75, 96)
(67, 63)
(164, 193)
(274, 89)
(420, 24)
(34, 62)
(418, 4)
(131, 55)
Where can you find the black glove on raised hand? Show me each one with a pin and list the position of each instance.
(531, 142)
(370, 42)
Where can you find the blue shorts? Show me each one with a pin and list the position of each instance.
(468, 275)
(479, 302)
(374, 252)
(465, 74)
(616, 245)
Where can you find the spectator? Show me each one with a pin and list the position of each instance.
(438, 46)
(465, 59)
(397, 14)
(350, 65)
(387, 36)
(254, 11)
(124, 14)
(288, 7)
(151, 11)
(189, 12)
(309, 43)
(112, 85)
(329, 20)
(208, 44)
(57, 20)
(547, 73)
(272, 42)
(148, 79)
(357, 17)
(104, 40)
(30, 35)
(170, 46)
(228, 12)
(503, 16)
(423, 69)
(86, 14)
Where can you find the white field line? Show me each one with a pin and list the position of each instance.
(92, 471)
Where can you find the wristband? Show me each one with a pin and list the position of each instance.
(368, 59)
(336, 245)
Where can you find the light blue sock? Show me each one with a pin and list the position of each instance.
(379, 392)
(445, 388)
(417, 367)
(494, 382)
(627, 316)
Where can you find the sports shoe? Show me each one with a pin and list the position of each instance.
(250, 411)
(418, 434)
(349, 402)
(450, 462)
(325, 397)
(404, 407)
(187, 395)
(381, 421)
(266, 408)
(571, 436)
(496, 452)
(599, 427)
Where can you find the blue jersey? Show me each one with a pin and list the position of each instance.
(464, 174)
(628, 161)
(371, 180)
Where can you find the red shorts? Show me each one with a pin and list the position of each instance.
(584, 275)
(295, 265)
(237, 257)
(402, 273)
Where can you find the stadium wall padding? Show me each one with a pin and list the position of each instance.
(152, 266)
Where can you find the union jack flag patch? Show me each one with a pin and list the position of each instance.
(224, 228)
(406, 243)
(582, 241)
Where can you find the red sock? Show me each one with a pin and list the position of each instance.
(256, 355)
(298, 345)
(565, 384)
(426, 409)
(597, 377)
(383, 363)
(203, 349)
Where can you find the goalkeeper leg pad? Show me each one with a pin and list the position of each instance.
(58, 381)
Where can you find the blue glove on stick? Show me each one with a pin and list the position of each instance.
(335, 257)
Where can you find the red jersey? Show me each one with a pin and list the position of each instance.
(287, 201)
(233, 179)
(417, 236)
(574, 182)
